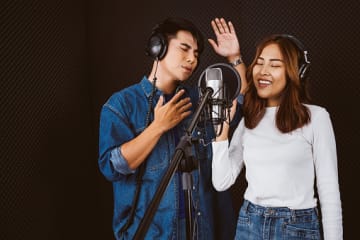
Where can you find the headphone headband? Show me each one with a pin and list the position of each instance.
(304, 61)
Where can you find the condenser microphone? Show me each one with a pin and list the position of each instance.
(225, 83)
(214, 80)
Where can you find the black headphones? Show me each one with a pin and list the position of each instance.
(304, 62)
(157, 44)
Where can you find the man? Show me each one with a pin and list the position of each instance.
(140, 127)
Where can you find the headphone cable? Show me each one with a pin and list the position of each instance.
(142, 167)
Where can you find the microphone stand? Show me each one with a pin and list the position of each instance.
(181, 153)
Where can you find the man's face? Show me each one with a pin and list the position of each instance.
(182, 56)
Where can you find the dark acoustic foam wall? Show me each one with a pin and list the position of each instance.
(48, 163)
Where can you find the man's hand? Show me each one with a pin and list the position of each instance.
(169, 115)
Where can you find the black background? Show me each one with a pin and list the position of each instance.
(61, 60)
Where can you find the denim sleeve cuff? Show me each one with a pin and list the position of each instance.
(240, 99)
(239, 114)
(119, 162)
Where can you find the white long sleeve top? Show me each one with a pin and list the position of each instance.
(281, 168)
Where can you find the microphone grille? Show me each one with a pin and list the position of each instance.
(213, 74)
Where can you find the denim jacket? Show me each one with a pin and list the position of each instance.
(123, 117)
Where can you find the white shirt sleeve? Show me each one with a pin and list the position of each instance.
(227, 160)
(325, 158)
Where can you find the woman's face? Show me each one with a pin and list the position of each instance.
(269, 75)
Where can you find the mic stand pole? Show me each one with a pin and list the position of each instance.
(187, 183)
(180, 151)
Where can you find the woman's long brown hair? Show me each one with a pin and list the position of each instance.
(291, 114)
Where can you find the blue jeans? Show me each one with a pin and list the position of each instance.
(276, 223)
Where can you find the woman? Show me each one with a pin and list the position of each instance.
(285, 144)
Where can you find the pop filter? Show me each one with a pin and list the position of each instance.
(231, 80)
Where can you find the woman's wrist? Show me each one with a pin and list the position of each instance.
(224, 133)
(235, 60)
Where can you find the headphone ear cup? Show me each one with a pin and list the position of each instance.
(157, 46)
